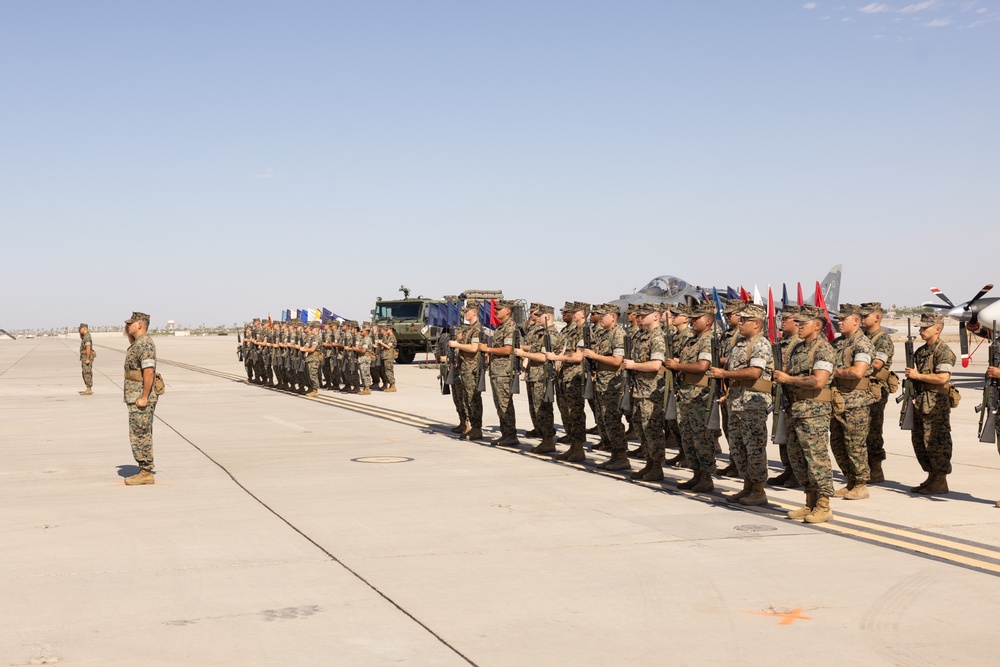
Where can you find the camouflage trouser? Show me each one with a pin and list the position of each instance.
(542, 415)
(875, 444)
(336, 375)
(649, 418)
(503, 403)
(724, 415)
(848, 436)
(609, 414)
(140, 434)
(268, 362)
(472, 400)
(675, 430)
(388, 372)
(88, 373)
(748, 443)
(808, 446)
(365, 369)
(248, 364)
(312, 368)
(698, 440)
(456, 396)
(931, 438)
(569, 396)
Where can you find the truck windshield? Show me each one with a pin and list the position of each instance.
(397, 310)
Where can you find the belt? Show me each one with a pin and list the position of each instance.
(760, 385)
(882, 375)
(135, 376)
(847, 386)
(695, 379)
(822, 395)
(942, 389)
(606, 367)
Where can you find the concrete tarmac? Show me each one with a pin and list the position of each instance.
(356, 530)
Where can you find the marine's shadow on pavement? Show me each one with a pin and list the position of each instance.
(904, 489)
(128, 471)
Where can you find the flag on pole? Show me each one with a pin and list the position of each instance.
(784, 295)
(744, 296)
(801, 301)
(821, 303)
(731, 293)
(771, 329)
(756, 296)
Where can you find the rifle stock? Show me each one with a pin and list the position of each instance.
(626, 403)
(515, 363)
(991, 396)
(588, 375)
(906, 414)
(779, 427)
(481, 370)
(549, 370)
(714, 422)
(669, 396)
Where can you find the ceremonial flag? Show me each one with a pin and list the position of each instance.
(743, 294)
(731, 293)
(328, 315)
(784, 295)
(718, 309)
(801, 301)
(304, 316)
(821, 303)
(771, 329)
(756, 296)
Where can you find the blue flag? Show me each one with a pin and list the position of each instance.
(784, 295)
(731, 293)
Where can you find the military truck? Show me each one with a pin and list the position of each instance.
(409, 318)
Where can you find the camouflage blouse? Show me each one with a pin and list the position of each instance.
(536, 344)
(803, 360)
(936, 358)
(473, 333)
(848, 351)
(698, 348)
(503, 335)
(87, 341)
(647, 346)
(744, 356)
(140, 355)
(389, 352)
(569, 340)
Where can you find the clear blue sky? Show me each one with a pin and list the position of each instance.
(211, 161)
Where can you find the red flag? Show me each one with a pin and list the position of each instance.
(801, 300)
(771, 330)
(744, 296)
(494, 320)
(821, 303)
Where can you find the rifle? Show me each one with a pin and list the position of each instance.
(906, 415)
(515, 363)
(588, 374)
(626, 403)
(669, 397)
(481, 370)
(549, 370)
(377, 344)
(779, 427)
(991, 396)
(715, 390)
(452, 361)
(239, 347)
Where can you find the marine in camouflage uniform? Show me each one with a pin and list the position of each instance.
(140, 371)
(749, 366)
(468, 348)
(500, 350)
(806, 379)
(681, 335)
(247, 345)
(310, 347)
(789, 338)
(643, 371)
(267, 351)
(849, 429)
(258, 343)
(456, 390)
(366, 354)
(888, 383)
(87, 354)
(993, 375)
(931, 434)
(731, 314)
(607, 354)
(326, 344)
(569, 387)
(694, 399)
(534, 350)
(337, 355)
(388, 353)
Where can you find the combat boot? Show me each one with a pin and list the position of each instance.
(474, 433)
(679, 461)
(793, 482)
(390, 389)
(593, 431)
(508, 441)
(315, 392)
(631, 433)
(691, 483)
(705, 483)
(638, 474)
(730, 471)
(739, 495)
(806, 509)
(603, 446)
(919, 487)
(618, 461)
(655, 472)
(937, 484)
(780, 479)
(86, 392)
(367, 391)
(533, 433)
(821, 512)
(564, 439)
(756, 495)
(842, 491)
(858, 492)
(638, 453)
(876, 475)
(575, 453)
(461, 428)
(143, 477)
(546, 446)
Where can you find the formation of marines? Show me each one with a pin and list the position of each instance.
(669, 370)
(303, 358)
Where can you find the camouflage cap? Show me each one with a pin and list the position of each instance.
(931, 319)
(706, 307)
(542, 309)
(680, 309)
(753, 311)
(597, 309)
(732, 305)
(809, 313)
(82, 325)
(611, 308)
(534, 306)
(470, 304)
(848, 309)
(136, 316)
(315, 324)
(790, 310)
(506, 304)
(632, 308)
(871, 307)
(573, 306)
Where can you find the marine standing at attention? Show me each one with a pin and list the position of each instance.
(467, 347)
(888, 383)
(87, 355)
(500, 353)
(140, 373)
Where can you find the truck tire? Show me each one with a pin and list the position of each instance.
(406, 355)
